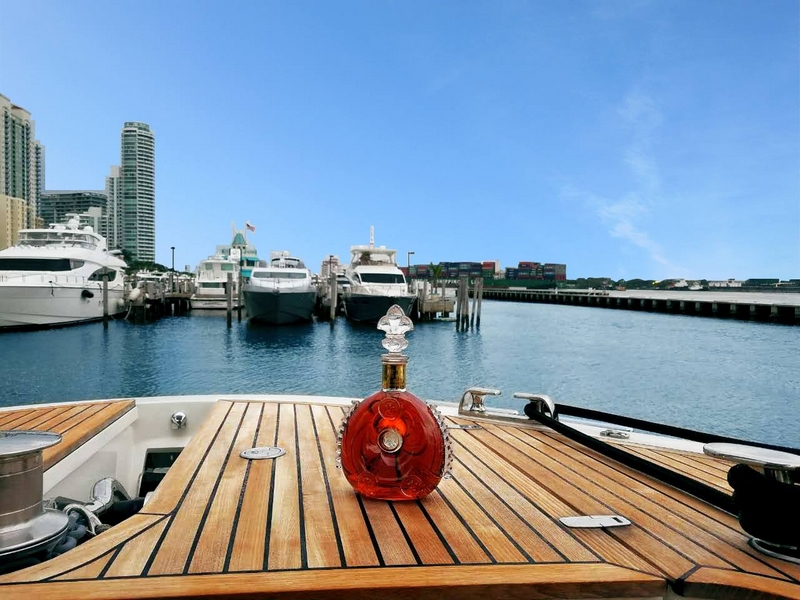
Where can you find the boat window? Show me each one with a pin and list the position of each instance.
(227, 267)
(98, 275)
(382, 278)
(76, 264)
(35, 264)
(278, 275)
(211, 284)
(209, 266)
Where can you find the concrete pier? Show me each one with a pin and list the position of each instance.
(771, 307)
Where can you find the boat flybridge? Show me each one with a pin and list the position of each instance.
(280, 292)
(211, 283)
(376, 283)
(54, 277)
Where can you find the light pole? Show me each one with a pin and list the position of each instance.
(172, 274)
(408, 267)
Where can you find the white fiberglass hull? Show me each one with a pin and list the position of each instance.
(50, 306)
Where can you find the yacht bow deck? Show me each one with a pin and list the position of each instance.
(292, 527)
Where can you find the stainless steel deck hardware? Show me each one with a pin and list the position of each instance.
(26, 527)
(178, 420)
(262, 453)
(538, 403)
(595, 521)
(473, 406)
(617, 433)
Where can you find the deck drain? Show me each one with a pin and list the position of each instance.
(262, 453)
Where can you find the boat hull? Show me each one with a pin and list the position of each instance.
(32, 307)
(279, 307)
(365, 308)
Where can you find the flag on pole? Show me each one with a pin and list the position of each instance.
(250, 227)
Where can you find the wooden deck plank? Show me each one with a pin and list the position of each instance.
(390, 539)
(426, 542)
(716, 480)
(74, 417)
(250, 537)
(172, 556)
(494, 539)
(458, 538)
(133, 556)
(69, 412)
(716, 530)
(511, 523)
(507, 464)
(622, 500)
(349, 517)
(511, 582)
(42, 417)
(285, 539)
(90, 551)
(172, 488)
(91, 570)
(322, 539)
(719, 583)
(542, 530)
(212, 545)
(13, 415)
(572, 487)
(25, 417)
(91, 422)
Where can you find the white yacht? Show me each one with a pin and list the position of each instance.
(212, 282)
(376, 283)
(54, 277)
(280, 293)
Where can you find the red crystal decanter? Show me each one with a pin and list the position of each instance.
(392, 445)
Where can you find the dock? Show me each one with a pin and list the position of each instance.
(771, 307)
(156, 300)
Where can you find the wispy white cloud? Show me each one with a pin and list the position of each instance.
(641, 115)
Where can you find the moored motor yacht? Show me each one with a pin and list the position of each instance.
(211, 283)
(54, 277)
(375, 283)
(281, 292)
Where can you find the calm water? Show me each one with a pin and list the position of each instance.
(730, 377)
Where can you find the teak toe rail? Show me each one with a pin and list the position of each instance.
(222, 526)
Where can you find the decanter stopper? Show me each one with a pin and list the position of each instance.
(392, 445)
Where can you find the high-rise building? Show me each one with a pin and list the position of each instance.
(12, 219)
(138, 194)
(114, 208)
(56, 205)
(21, 159)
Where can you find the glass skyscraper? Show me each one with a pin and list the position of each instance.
(136, 208)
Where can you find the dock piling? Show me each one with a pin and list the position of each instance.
(239, 299)
(105, 300)
(333, 293)
(480, 301)
(229, 299)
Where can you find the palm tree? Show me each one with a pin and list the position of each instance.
(436, 273)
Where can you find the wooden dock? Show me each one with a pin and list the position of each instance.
(221, 526)
(774, 307)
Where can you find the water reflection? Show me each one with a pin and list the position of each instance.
(736, 378)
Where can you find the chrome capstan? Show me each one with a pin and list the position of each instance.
(473, 405)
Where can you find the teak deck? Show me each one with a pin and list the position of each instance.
(77, 423)
(219, 525)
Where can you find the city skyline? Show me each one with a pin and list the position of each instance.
(623, 139)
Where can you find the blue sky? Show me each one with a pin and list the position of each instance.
(626, 139)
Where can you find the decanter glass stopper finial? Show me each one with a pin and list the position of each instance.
(395, 324)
